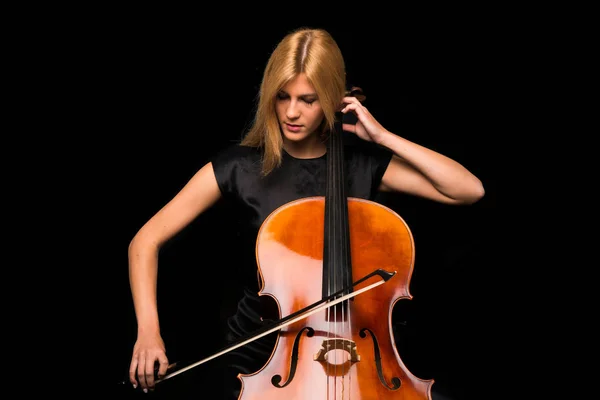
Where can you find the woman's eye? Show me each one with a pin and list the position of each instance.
(285, 96)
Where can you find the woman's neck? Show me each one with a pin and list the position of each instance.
(309, 148)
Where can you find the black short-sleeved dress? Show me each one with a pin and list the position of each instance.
(237, 170)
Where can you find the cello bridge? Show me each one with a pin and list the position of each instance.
(331, 347)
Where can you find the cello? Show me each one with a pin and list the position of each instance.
(315, 248)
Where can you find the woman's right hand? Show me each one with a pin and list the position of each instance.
(148, 352)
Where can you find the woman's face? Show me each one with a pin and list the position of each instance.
(298, 109)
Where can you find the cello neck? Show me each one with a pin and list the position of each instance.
(337, 268)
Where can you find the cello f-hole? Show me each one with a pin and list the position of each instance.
(395, 380)
(276, 379)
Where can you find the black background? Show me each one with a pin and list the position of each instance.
(153, 96)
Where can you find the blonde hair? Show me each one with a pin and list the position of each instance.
(313, 52)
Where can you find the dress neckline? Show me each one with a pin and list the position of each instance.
(305, 159)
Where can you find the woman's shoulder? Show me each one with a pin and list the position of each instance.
(234, 166)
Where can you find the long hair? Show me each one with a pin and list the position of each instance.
(313, 52)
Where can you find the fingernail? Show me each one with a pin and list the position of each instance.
(145, 390)
(135, 385)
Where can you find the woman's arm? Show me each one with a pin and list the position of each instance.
(200, 193)
(423, 172)
(415, 169)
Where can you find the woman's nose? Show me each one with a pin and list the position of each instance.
(292, 110)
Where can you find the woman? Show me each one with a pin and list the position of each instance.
(283, 158)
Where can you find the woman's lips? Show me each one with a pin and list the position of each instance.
(293, 128)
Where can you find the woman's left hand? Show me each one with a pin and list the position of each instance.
(367, 127)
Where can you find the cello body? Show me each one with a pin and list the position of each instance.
(346, 351)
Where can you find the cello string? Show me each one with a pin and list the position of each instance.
(341, 266)
(337, 255)
(347, 266)
(326, 242)
(341, 323)
(334, 265)
(331, 266)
